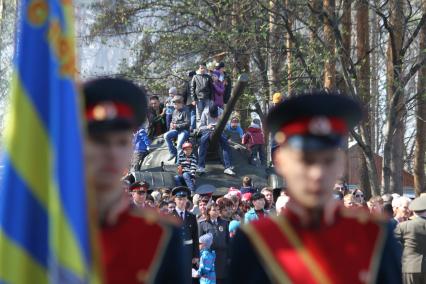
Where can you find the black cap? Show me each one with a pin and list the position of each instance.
(205, 189)
(257, 196)
(181, 191)
(314, 121)
(140, 186)
(214, 112)
(114, 104)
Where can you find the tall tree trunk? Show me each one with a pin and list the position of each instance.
(314, 23)
(346, 28)
(419, 158)
(289, 47)
(241, 56)
(369, 182)
(329, 39)
(394, 138)
(315, 27)
(364, 180)
(374, 90)
(273, 47)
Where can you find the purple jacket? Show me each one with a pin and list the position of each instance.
(218, 91)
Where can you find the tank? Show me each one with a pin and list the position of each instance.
(159, 172)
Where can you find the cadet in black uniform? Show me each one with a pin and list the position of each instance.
(189, 227)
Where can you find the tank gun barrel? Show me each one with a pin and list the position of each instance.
(236, 93)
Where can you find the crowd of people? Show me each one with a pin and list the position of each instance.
(218, 217)
(189, 117)
(196, 110)
(215, 219)
(239, 237)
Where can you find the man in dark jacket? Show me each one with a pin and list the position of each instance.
(156, 117)
(201, 89)
(189, 226)
(412, 236)
(179, 127)
(189, 102)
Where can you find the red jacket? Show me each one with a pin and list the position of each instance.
(253, 136)
(142, 247)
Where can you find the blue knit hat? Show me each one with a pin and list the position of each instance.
(206, 239)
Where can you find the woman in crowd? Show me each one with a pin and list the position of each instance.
(237, 214)
(375, 205)
(202, 206)
(218, 89)
(219, 229)
(349, 201)
(225, 208)
(245, 203)
(359, 197)
(257, 211)
(269, 197)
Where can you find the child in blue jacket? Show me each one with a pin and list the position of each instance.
(141, 145)
(206, 270)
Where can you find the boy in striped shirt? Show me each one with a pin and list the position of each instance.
(187, 165)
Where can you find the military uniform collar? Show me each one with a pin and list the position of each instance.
(178, 211)
(299, 216)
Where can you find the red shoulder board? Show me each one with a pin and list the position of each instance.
(133, 249)
(347, 251)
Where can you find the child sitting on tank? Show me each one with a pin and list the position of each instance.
(187, 165)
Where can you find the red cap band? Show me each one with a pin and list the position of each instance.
(318, 125)
(139, 188)
(109, 111)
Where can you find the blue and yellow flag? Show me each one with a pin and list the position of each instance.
(45, 230)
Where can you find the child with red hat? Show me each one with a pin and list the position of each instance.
(187, 165)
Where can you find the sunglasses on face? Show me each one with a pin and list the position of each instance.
(359, 195)
(141, 192)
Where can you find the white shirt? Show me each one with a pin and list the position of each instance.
(180, 213)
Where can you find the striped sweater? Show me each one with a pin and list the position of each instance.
(189, 164)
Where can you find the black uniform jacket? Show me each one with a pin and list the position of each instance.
(189, 231)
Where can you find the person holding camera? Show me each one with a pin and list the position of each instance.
(209, 119)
